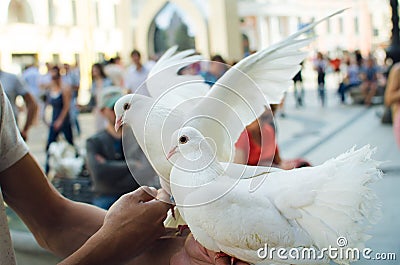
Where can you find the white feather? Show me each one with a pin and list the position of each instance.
(220, 113)
(307, 207)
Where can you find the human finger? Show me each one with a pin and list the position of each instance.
(145, 194)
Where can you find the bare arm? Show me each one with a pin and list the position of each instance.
(122, 237)
(80, 231)
(57, 223)
(392, 93)
(240, 157)
(66, 93)
(32, 109)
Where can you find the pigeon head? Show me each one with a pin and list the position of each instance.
(120, 108)
(190, 143)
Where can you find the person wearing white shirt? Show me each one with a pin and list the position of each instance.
(135, 75)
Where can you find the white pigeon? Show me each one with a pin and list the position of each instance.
(222, 112)
(63, 160)
(301, 208)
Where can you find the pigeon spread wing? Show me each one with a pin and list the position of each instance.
(245, 90)
(167, 86)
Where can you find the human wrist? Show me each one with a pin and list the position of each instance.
(102, 248)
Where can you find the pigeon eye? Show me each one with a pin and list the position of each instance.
(127, 106)
(183, 139)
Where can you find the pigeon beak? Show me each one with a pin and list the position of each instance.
(172, 152)
(118, 123)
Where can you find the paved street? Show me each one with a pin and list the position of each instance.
(318, 134)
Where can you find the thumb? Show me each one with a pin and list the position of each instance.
(163, 196)
(145, 194)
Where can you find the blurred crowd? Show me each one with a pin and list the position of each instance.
(353, 72)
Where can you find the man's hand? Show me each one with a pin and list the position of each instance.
(132, 225)
(195, 254)
(138, 217)
(100, 158)
(57, 124)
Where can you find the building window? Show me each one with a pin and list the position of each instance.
(20, 12)
(328, 26)
(100, 57)
(74, 13)
(341, 30)
(52, 12)
(56, 58)
(115, 15)
(356, 26)
(96, 13)
(77, 57)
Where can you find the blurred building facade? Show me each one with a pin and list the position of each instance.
(58, 31)
(365, 25)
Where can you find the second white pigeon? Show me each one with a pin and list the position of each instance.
(309, 207)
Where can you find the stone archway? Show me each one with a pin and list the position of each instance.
(150, 11)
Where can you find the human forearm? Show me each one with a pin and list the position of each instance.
(32, 108)
(99, 243)
(392, 93)
(62, 226)
(76, 224)
(132, 225)
(240, 156)
(165, 247)
(66, 104)
(111, 252)
(63, 113)
(392, 96)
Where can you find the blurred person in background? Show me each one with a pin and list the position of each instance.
(369, 80)
(392, 99)
(215, 69)
(106, 158)
(99, 82)
(350, 80)
(14, 87)
(320, 66)
(31, 77)
(135, 75)
(115, 71)
(257, 145)
(44, 82)
(59, 97)
(72, 77)
(299, 87)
